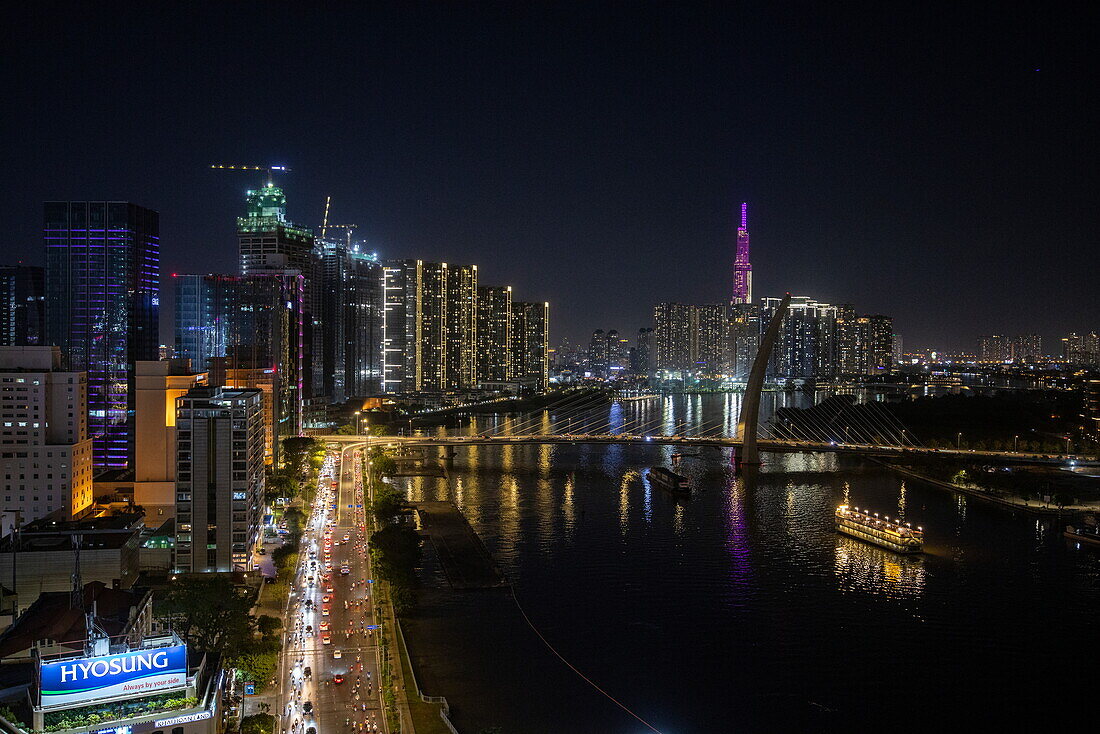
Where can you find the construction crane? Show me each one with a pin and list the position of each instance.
(325, 226)
(270, 169)
(348, 227)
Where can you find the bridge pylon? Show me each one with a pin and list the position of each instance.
(749, 420)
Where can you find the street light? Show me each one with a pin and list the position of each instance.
(1015, 444)
(358, 415)
(958, 441)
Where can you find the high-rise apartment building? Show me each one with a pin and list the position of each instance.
(22, 306)
(598, 354)
(430, 326)
(642, 356)
(461, 328)
(807, 346)
(102, 308)
(530, 351)
(219, 478)
(1082, 349)
(712, 325)
(745, 331)
(329, 296)
(494, 332)
(1001, 348)
(45, 452)
(676, 336)
(993, 348)
(742, 268)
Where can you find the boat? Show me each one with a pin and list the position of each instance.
(1088, 535)
(895, 535)
(669, 480)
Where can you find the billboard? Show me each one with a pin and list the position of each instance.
(134, 673)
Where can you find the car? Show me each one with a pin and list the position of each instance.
(345, 571)
(336, 654)
(325, 639)
(337, 679)
(309, 672)
(309, 629)
(308, 707)
(328, 589)
(324, 625)
(326, 598)
(324, 611)
(347, 537)
(262, 551)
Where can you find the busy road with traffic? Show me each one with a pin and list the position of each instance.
(329, 671)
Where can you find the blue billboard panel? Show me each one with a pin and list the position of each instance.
(134, 673)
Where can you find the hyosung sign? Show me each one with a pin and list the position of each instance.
(134, 673)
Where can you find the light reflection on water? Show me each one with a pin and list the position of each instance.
(744, 598)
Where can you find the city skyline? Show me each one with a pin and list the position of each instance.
(601, 181)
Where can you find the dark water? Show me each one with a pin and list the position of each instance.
(741, 609)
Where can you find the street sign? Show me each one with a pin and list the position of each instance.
(373, 626)
(250, 689)
(370, 581)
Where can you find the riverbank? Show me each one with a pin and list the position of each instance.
(994, 496)
(465, 561)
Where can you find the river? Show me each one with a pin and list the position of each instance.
(740, 609)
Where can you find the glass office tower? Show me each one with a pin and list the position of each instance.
(102, 304)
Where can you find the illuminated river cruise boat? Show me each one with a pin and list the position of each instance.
(894, 535)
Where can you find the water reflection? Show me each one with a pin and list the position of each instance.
(869, 569)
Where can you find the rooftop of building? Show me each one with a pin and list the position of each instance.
(103, 523)
(52, 617)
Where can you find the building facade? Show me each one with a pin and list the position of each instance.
(45, 451)
(102, 308)
(494, 332)
(530, 351)
(22, 306)
(219, 478)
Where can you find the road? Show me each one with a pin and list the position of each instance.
(331, 618)
(770, 444)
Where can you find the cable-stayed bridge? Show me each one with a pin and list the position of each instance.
(835, 425)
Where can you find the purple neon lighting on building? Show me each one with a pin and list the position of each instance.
(742, 268)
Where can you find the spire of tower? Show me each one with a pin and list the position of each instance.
(742, 268)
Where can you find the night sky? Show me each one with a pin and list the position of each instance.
(932, 163)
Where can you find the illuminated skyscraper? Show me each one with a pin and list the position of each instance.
(102, 306)
(461, 327)
(249, 332)
(531, 342)
(267, 240)
(742, 268)
(494, 332)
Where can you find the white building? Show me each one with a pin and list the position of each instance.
(219, 478)
(45, 451)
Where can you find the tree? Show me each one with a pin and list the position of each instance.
(387, 502)
(281, 484)
(269, 626)
(210, 612)
(384, 466)
(258, 724)
(297, 451)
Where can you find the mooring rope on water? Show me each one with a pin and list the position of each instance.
(572, 667)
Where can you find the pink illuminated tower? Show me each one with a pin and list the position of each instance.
(742, 268)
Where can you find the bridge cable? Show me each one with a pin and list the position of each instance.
(573, 667)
